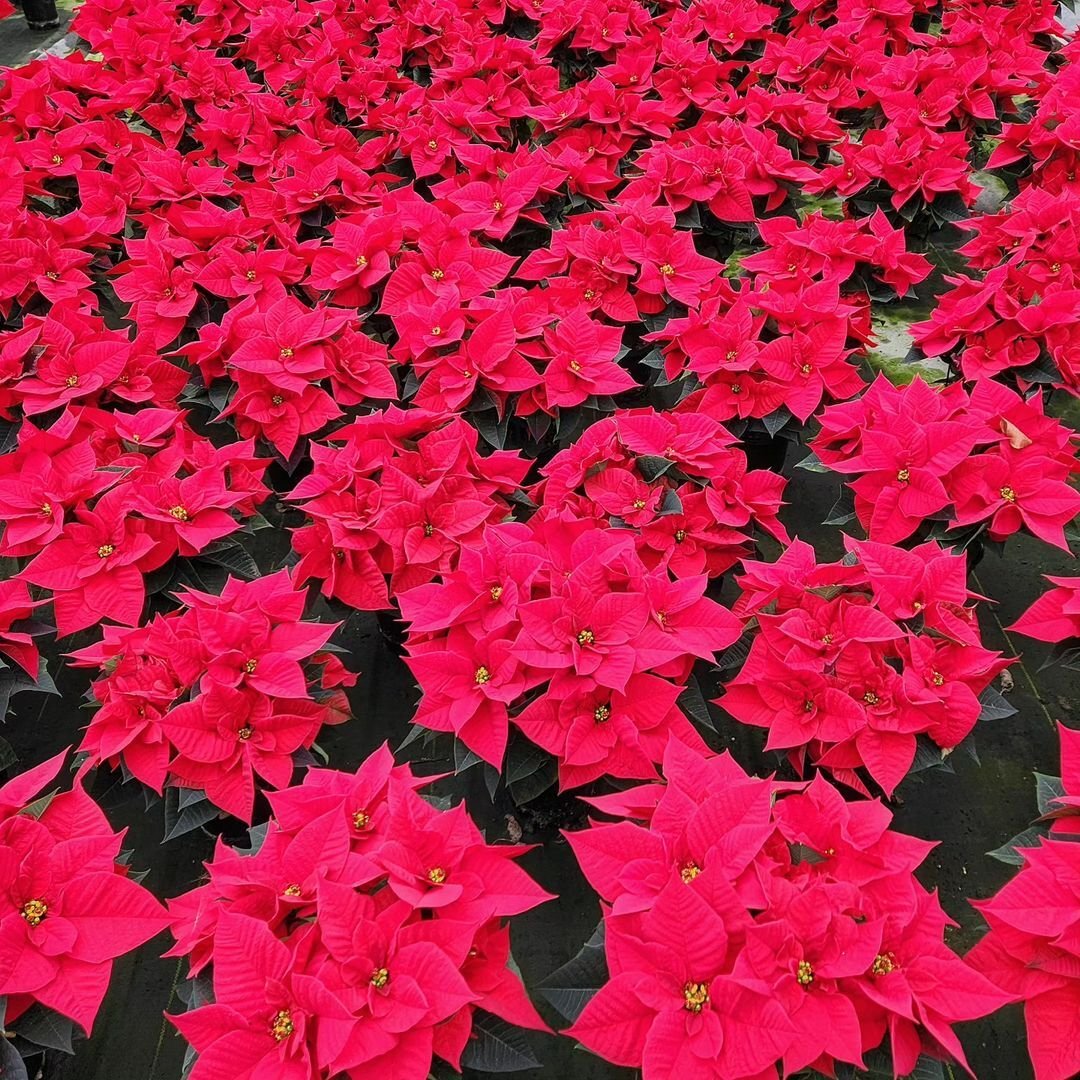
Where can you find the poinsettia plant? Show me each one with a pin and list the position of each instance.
(951, 462)
(1014, 322)
(364, 931)
(98, 501)
(394, 500)
(863, 665)
(203, 703)
(69, 907)
(1055, 618)
(1029, 950)
(579, 626)
(754, 928)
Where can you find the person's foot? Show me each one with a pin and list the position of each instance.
(52, 24)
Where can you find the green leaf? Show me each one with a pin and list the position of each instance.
(843, 510)
(219, 394)
(491, 428)
(464, 758)
(12, 1066)
(994, 706)
(672, 504)
(189, 797)
(652, 467)
(570, 988)
(192, 816)
(497, 1047)
(735, 655)
(812, 463)
(800, 854)
(40, 805)
(1043, 371)
(1008, 852)
(927, 1068)
(492, 779)
(775, 421)
(1048, 789)
(43, 1027)
(692, 702)
(928, 755)
(1064, 654)
(233, 558)
(535, 783)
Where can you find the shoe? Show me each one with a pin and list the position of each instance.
(41, 27)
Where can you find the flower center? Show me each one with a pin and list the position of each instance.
(291, 890)
(589, 294)
(244, 733)
(436, 875)
(72, 380)
(52, 275)
(808, 705)
(432, 144)
(277, 399)
(250, 666)
(639, 504)
(870, 697)
(667, 269)
(438, 275)
(482, 675)
(361, 261)
(281, 1027)
(250, 275)
(57, 159)
(696, 996)
(904, 475)
(379, 978)
(179, 512)
(33, 911)
(689, 872)
(436, 331)
(1008, 494)
(804, 976)
(429, 529)
(46, 509)
(884, 964)
(680, 535)
(937, 678)
(361, 819)
(586, 637)
(285, 354)
(105, 551)
(497, 206)
(496, 592)
(602, 714)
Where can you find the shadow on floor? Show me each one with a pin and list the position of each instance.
(19, 44)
